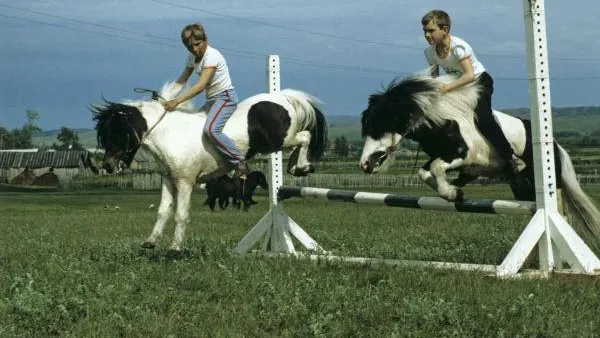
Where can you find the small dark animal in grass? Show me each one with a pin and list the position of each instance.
(222, 189)
(239, 190)
(253, 179)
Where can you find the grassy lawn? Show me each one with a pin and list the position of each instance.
(72, 267)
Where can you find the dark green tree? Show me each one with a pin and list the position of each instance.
(68, 139)
(20, 138)
(341, 146)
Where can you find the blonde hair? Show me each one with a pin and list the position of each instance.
(439, 17)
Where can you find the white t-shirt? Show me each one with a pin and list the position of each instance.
(459, 50)
(212, 59)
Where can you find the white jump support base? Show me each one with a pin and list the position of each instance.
(276, 229)
(557, 241)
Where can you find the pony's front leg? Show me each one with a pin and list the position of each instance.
(426, 177)
(165, 211)
(184, 193)
(446, 190)
(298, 164)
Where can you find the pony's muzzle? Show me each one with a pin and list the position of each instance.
(373, 162)
(111, 165)
(109, 168)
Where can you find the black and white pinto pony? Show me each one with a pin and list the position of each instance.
(263, 123)
(443, 125)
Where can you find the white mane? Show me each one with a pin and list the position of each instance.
(170, 90)
(457, 105)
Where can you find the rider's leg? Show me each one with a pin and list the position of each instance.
(218, 115)
(490, 129)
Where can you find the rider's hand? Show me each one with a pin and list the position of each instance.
(171, 105)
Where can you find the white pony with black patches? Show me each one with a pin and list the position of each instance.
(444, 126)
(263, 124)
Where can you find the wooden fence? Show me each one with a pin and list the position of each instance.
(152, 181)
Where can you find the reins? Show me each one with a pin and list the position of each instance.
(156, 97)
(392, 149)
(403, 135)
(416, 160)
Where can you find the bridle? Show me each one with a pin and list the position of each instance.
(129, 153)
(392, 149)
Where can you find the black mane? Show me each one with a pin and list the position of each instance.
(119, 127)
(395, 109)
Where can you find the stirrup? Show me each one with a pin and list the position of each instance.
(241, 170)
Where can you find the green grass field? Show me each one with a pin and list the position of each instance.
(72, 267)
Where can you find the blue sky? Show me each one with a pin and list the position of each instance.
(58, 57)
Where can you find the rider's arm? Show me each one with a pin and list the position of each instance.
(467, 77)
(198, 87)
(185, 75)
(205, 76)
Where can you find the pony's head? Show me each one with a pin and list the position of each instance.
(389, 117)
(405, 107)
(119, 128)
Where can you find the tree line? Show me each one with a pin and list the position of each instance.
(22, 138)
(341, 146)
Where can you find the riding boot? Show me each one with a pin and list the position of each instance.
(241, 170)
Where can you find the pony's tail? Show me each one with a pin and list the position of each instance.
(310, 117)
(578, 203)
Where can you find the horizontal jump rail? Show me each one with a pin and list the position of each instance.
(488, 206)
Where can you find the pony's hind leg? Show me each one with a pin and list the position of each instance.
(298, 164)
(165, 211)
(184, 193)
(446, 190)
(462, 179)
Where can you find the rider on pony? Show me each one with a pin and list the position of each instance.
(221, 99)
(457, 57)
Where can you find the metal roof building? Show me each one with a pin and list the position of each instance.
(44, 159)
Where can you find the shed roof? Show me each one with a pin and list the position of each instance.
(41, 159)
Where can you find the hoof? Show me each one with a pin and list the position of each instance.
(297, 172)
(454, 195)
(148, 245)
(174, 254)
(292, 170)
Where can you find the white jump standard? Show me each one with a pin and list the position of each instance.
(557, 241)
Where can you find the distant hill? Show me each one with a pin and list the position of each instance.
(575, 119)
(571, 119)
(87, 137)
